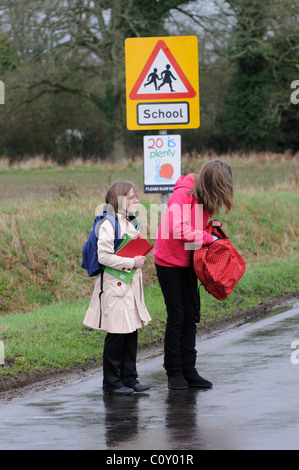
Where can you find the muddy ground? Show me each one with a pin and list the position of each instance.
(11, 387)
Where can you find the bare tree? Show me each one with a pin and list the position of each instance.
(77, 46)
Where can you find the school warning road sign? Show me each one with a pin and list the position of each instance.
(162, 87)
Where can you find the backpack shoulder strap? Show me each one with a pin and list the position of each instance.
(114, 222)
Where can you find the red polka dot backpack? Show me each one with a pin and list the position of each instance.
(218, 266)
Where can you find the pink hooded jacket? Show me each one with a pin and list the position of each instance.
(182, 227)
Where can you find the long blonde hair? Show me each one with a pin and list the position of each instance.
(213, 186)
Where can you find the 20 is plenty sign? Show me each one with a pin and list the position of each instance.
(162, 87)
(162, 162)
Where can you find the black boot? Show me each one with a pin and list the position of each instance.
(176, 380)
(173, 367)
(195, 380)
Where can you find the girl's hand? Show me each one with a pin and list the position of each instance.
(216, 223)
(139, 261)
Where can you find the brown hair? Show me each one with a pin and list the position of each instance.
(117, 190)
(213, 186)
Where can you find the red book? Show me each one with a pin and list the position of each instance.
(137, 246)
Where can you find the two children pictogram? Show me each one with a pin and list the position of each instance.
(161, 68)
(166, 77)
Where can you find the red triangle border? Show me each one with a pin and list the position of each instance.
(154, 96)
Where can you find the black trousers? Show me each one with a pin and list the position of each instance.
(119, 360)
(179, 286)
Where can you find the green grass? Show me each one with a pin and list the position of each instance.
(48, 338)
(54, 337)
(45, 216)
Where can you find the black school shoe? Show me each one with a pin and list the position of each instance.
(195, 380)
(120, 391)
(138, 387)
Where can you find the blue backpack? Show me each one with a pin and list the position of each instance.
(90, 248)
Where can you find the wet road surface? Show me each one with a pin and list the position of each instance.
(253, 404)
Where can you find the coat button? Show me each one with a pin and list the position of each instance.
(119, 283)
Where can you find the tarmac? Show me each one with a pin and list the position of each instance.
(253, 403)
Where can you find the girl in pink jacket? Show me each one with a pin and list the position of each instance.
(195, 198)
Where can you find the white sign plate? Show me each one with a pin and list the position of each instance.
(162, 113)
(162, 162)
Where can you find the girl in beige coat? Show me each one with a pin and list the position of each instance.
(121, 310)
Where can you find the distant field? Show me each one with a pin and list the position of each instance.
(36, 180)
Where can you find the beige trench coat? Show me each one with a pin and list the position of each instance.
(123, 308)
